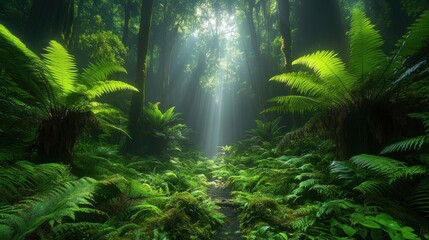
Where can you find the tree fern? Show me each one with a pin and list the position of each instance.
(31, 214)
(419, 199)
(365, 42)
(62, 68)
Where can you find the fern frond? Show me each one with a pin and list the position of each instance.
(332, 70)
(419, 200)
(406, 145)
(99, 72)
(24, 175)
(388, 168)
(304, 82)
(365, 43)
(412, 41)
(24, 66)
(381, 166)
(295, 104)
(83, 230)
(373, 187)
(62, 68)
(64, 201)
(109, 86)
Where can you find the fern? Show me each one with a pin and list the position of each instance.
(419, 199)
(99, 72)
(304, 82)
(62, 68)
(390, 169)
(83, 230)
(365, 42)
(412, 41)
(406, 145)
(31, 214)
(110, 86)
(332, 70)
(373, 187)
(24, 66)
(24, 175)
(295, 104)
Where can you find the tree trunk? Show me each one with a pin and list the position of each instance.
(319, 27)
(284, 14)
(50, 19)
(165, 64)
(135, 143)
(127, 13)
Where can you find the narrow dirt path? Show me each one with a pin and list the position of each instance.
(222, 196)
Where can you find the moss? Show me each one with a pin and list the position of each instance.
(263, 211)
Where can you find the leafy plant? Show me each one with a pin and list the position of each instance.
(161, 128)
(345, 95)
(52, 85)
(33, 214)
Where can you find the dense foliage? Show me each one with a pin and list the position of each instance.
(173, 150)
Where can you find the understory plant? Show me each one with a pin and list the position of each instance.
(364, 92)
(62, 101)
(161, 130)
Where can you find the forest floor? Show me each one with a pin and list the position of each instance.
(221, 194)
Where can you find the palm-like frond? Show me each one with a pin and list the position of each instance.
(406, 145)
(23, 65)
(387, 168)
(62, 68)
(304, 82)
(331, 70)
(109, 86)
(365, 43)
(24, 175)
(412, 41)
(98, 72)
(373, 187)
(64, 201)
(295, 104)
(420, 198)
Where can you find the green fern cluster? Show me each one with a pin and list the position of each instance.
(52, 87)
(332, 84)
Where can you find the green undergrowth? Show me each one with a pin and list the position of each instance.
(303, 192)
(104, 195)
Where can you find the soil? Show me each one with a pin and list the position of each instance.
(222, 196)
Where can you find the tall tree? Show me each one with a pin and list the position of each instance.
(319, 26)
(284, 15)
(50, 19)
(134, 144)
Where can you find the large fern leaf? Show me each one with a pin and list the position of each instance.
(24, 66)
(332, 70)
(406, 145)
(304, 82)
(62, 68)
(99, 72)
(365, 43)
(295, 104)
(412, 41)
(109, 86)
(64, 201)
